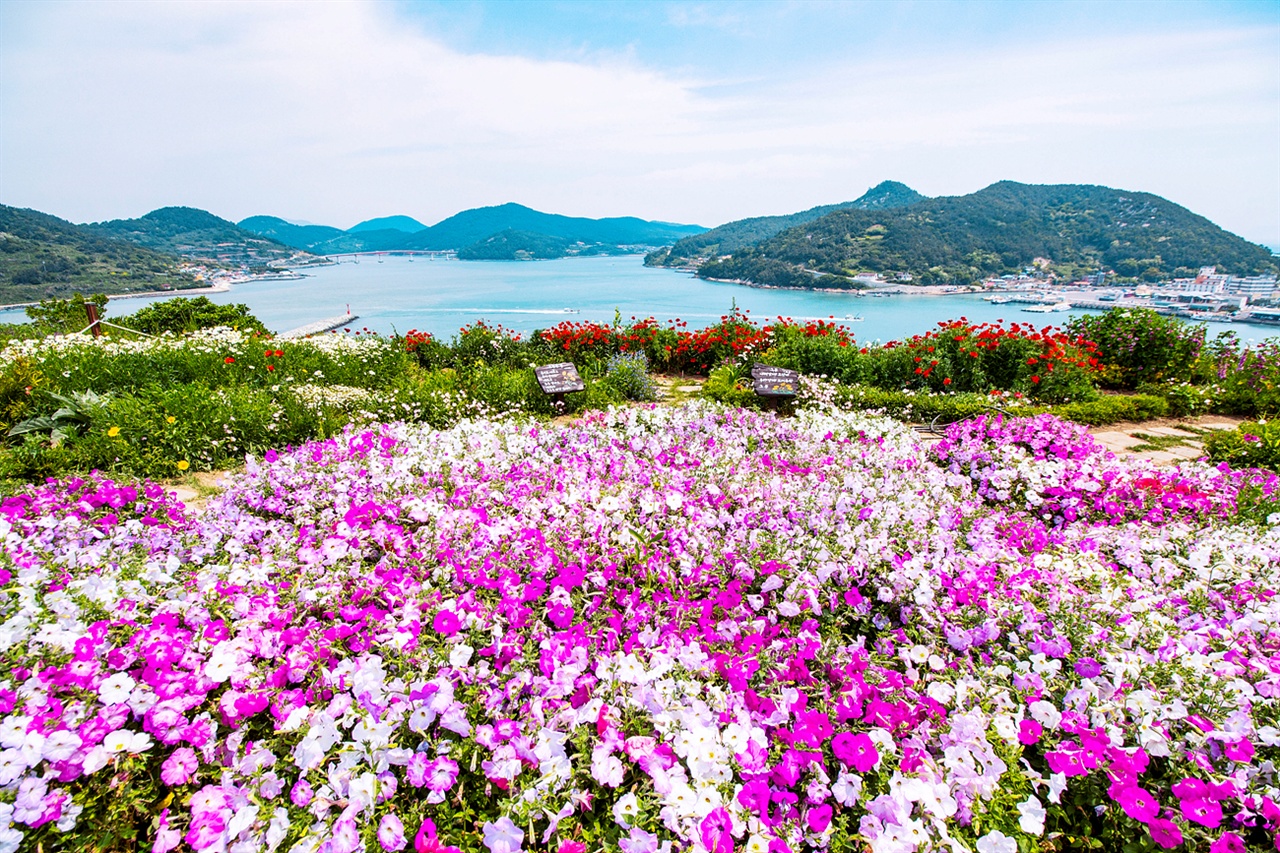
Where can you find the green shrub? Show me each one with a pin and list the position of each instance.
(481, 343)
(1141, 345)
(731, 385)
(628, 375)
(1251, 445)
(185, 314)
(64, 316)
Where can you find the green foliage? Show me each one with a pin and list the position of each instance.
(65, 316)
(924, 407)
(513, 245)
(190, 314)
(1141, 345)
(743, 233)
(73, 412)
(196, 234)
(44, 257)
(628, 375)
(731, 385)
(999, 229)
(18, 384)
(1252, 445)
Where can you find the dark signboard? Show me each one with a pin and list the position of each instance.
(559, 378)
(774, 381)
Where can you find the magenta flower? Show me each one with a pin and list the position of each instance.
(179, 766)
(1088, 668)
(446, 622)
(857, 751)
(1138, 803)
(715, 831)
(1229, 842)
(1029, 731)
(818, 818)
(1165, 833)
(427, 842)
(1240, 750)
(301, 794)
(206, 830)
(1207, 813)
(1190, 789)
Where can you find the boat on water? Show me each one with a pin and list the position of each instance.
(1048, 308)
(853, 318)
(570, 311)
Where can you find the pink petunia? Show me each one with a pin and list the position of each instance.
(715, 831)
(446, 622)
(1165, 833)
(1207, 813)
(1029, 731)
(179, 766)
(1241, 750)
(1228, 843)
(1138, 803)
(857, 751)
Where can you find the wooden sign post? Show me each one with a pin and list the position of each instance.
(557, 380)
(768, 381)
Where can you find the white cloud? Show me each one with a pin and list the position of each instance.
(336, 112)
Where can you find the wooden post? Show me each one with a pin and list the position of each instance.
(95, 322)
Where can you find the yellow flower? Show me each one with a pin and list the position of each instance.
(171, 419)
(113, 432)
(184, 465)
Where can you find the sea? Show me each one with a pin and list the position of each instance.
(440, 296)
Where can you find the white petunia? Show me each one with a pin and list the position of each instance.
(116, 689)
(1031, 816)
(997, 842)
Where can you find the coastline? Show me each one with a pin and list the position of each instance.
(219, 287)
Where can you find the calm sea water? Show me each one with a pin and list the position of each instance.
(440, 296)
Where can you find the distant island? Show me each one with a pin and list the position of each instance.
(894, 234)
(503, 232)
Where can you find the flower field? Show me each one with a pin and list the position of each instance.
(681, 628)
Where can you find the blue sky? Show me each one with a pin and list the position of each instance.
(696, 112)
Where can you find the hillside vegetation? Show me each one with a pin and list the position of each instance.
(198, 235)
(44, 257)
(475, 234)
(742, 233)
(1001, 229)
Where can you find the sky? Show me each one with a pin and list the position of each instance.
(695, 112)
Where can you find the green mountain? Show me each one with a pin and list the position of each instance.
(747, 232)
(511, 245)
(199, 236)
(404, 224)
(471, 226)
(999, 229)
(44, 257)
(469, 229)
(282, 231)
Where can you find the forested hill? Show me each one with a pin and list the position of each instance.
(1000, 229)
(198, 235)
(472, 226)
(482, 232)
(742, 233)
(44, 257)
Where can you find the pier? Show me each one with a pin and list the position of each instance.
(320, 326)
